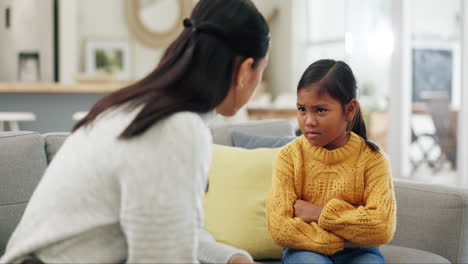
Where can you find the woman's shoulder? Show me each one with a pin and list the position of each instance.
(181, 118)
(177, 133)
(186, 123)
(186, 116)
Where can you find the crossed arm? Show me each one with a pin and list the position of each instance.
(299, 224)
(310, 212)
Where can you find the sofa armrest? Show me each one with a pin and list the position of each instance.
(432, 218)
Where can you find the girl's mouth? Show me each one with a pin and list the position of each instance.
(312, 134)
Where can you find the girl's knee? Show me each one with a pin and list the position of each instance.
(291, 256)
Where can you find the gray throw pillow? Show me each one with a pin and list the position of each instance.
(249, 141)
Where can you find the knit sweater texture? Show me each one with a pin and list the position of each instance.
(354, 185)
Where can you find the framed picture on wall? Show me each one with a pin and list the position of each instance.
(108, 57)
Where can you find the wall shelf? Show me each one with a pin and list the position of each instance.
(61, 88)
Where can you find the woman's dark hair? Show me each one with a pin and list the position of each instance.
(337, 79)
(195, 72)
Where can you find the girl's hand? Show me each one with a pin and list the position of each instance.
(239, 259)
(306, 211)
(349, 244)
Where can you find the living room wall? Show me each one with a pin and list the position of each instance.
(82, 20)
(112, 25)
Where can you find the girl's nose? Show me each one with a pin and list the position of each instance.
(311, 121)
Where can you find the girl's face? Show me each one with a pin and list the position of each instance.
(321, 117)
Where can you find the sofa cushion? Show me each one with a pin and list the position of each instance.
(432, 218)
(239, 183)
(53, 142)
(403, 255)
(250, 141)
(9, 219)
(399, 255)
(222, 133)
(22, 163)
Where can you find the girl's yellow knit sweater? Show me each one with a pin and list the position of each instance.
(354, 185)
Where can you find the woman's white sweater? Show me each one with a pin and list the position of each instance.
(106, 200)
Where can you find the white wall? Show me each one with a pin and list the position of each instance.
(280, 71)
(370, 25)
(356, 33)
(105, 20)
(437, 24)
(300, 29)
(68, 39)
(436, 18)
(84, 20)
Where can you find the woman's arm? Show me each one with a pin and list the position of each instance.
(210, 251)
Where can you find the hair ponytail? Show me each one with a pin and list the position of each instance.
(358, 126)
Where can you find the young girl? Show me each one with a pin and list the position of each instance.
(332, 198)
(128, 183)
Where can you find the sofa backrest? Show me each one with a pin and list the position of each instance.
(22, 163)
(221, 133)
(432, 218)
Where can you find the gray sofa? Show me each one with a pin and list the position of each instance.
(431, 220)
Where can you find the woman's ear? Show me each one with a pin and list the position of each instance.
(244, 73)
(351, 109)
(229, 106)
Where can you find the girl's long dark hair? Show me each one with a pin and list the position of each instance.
(195, 71)
(337, 79)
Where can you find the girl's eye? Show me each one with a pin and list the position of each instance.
(321, 110)
(301, 109)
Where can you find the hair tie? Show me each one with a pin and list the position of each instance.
(211, 29)
(188, 23)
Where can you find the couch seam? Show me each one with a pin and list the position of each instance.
(19, 135)
(14, 203)
(430, 191)
(54, 135)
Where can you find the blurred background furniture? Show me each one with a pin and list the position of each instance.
(438, 107)
(377, 127)
(12, 118)
(422, 141)
(434, 130)
(271, 113)
(79, 115)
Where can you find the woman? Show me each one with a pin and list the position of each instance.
(128, 184)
